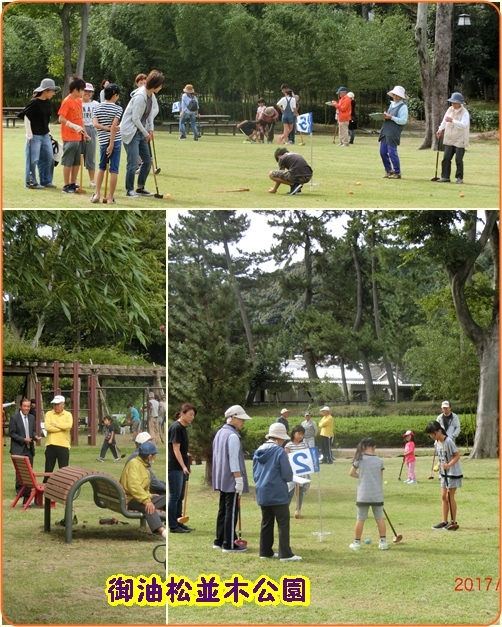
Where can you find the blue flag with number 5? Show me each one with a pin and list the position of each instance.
(304, 123)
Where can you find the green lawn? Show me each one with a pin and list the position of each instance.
(46, 581)
(413, 582)
(193, 172)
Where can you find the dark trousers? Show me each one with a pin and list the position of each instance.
(326, 450)
(449, 153)
(270, 514)
(53, 454)
(19, 484)
(154, 521)
(226, 520)
(177, 481)
(112, 447)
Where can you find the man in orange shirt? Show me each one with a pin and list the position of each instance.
(344, 108)
(72, 132)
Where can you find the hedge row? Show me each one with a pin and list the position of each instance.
(387, 431)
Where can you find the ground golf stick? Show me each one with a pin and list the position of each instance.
(400, 472)
(436, 178)
(183, 519)
(240, 541)
(157, 195)
(105, 199)
(431, 476)
(397, 538)
(224, 191)
(453, 525)
(297, 513)
(80, 189)
(157, 169)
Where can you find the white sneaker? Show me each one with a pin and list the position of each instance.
(355, 546)
(268, 557)
(293, 558)
(383, 545)
(411, 482)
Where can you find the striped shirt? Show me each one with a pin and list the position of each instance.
(105, 113)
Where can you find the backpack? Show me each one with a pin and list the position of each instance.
(192, 105)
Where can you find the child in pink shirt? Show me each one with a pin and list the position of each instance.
(409, 455)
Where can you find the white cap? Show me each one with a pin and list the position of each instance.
(325, 408)
(307, 413)
(445, 404)
(283, 411)
(237, 412)
(58, 399)
(143, 437)
(398, 91)
(351, 95)
(88, 87)
(277, 430)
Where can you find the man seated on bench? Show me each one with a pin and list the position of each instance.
(157, 486)
(135, 480)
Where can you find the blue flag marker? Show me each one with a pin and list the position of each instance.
(304, 123)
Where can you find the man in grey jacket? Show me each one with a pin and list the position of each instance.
(229, 477)
(136, 128)
(449, 420)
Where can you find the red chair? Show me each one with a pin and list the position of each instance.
(28, 479)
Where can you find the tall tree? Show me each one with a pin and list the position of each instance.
(450, 238)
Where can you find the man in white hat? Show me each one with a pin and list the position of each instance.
(327, 433)
(58, 424)
(311, 430)
(449, 421)
(271, 473)
(390, 134)
(283, 418)
(229, 477)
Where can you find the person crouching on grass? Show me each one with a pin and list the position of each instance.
(271, 473)
(72, 133)
(293, 171)
(368, 469)
(450, 474)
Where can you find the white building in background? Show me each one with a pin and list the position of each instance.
(297, 374)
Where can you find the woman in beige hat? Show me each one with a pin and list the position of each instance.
(189, 111)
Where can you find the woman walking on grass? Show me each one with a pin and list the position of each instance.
(368, 469)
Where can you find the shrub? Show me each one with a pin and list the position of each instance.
(482, 120)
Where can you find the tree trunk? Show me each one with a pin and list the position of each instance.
(345, 388)
(434, 77)
(39, 331)
(65, 25)
(308, 353)
(86, 9)
(487, 418)
(368, 379)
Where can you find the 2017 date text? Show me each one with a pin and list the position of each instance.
(476, 584)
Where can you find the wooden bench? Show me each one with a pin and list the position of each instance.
(218, 125)
(9, 113)
(64, 486)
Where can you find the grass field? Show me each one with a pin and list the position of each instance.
(421, 580)
(193, 172)
(46, 581)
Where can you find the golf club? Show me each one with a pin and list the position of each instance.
(431, 476)
(400, 472)
(436, 177)
(157, 169)
(397, 538)
(183, 519)
(453, 526)
(240, 541)
(80, 189)
(297, 512)
(105, 199)
(157, 195)
(224, 191)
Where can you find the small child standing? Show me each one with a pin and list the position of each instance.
(450, 474)
(368, 469)
(109, 443)
(409, 455)
(297, 443)
(72, 133)
(106, 120)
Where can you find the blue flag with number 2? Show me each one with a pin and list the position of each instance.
(304, 123)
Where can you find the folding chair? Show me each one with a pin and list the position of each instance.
(28, 479)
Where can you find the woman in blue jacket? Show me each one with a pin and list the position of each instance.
(271, 473)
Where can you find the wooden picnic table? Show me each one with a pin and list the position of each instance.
(10, 113)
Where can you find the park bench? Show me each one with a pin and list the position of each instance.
(64, 487)
(28, 480)
(9, 114)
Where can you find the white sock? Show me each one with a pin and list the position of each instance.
(164, 534)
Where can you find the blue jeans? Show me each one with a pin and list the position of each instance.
(192, 116)
(390, 158)
(39, 154)
(137, 148)
(176, 480)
